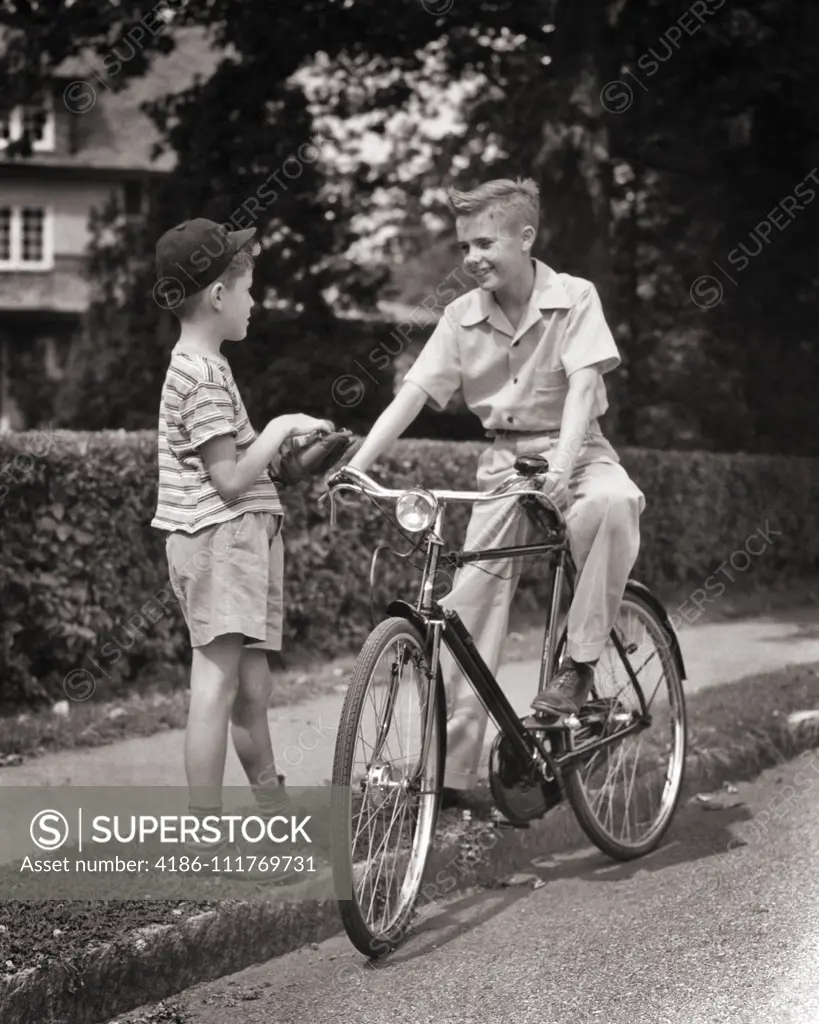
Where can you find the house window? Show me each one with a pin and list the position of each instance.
(34, 121)
(32, 246)
(38, 120)
(26, 238)
(133, 198)
(5, 235)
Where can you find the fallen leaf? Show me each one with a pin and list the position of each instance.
(519, 879)
(798, 718)
(722, 807)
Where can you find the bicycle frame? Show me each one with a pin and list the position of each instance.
(437, 624)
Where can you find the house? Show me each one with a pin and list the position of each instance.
(90, 141)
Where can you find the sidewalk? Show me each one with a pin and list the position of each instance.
(304, 734)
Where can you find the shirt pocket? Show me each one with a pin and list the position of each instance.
(550, 381)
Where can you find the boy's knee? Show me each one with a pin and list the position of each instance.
(625, 504)
(615, 512)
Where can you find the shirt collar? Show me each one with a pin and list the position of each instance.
(547, 293)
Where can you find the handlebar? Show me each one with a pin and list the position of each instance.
(349, 479)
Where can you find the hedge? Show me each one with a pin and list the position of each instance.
(84, 584)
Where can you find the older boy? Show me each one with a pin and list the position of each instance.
(222, 515)
(529, 347)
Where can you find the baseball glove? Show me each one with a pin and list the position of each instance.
(311, 455)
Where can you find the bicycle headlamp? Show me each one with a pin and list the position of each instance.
(416, 511)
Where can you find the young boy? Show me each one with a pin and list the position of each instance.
(529, 347)
(223, 518)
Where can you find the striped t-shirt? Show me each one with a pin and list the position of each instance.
(200, 401)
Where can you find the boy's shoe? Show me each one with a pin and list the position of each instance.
(567, 692)
(272, 800)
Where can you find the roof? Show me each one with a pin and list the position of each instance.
(115, 134)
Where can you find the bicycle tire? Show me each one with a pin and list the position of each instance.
(368, 941)
(574, 787)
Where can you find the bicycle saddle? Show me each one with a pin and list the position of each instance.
(531, 465)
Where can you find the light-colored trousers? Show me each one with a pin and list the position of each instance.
(603, 523)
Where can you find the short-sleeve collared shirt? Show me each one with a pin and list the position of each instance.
(518, 379)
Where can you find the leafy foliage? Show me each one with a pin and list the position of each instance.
(84, 589)
(659, 147)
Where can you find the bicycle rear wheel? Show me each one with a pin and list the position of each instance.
(625, 794)
(385, 802)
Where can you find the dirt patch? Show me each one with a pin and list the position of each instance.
(37, 935)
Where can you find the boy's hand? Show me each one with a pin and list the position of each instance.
(301, 423)
(312, 455)
(556, 485)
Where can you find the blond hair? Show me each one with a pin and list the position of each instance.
(516, 202)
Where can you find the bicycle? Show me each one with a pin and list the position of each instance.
(534, 761)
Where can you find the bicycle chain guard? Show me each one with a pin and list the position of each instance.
(519, 795)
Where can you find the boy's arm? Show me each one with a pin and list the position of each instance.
(390, 425)
(433, 377)
(575, 421)
(207, 413)
(588, 351)
(232, 475)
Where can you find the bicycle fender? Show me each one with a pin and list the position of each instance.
(403, 610)
(641, 590)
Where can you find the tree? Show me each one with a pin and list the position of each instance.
(641, 196)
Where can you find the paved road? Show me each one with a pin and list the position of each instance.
(693, 934)
(304, 734)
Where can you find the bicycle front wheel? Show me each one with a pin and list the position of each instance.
(624, 795)
(385, 800)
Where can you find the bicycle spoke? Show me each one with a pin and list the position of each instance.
(391, 823)
(630, 786)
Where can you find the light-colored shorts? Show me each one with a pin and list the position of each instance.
(229, 578)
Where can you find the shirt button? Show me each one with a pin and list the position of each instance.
(510, 419)
(515, 380)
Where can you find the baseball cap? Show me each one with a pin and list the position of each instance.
(196, 252)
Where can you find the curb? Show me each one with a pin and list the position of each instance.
(159, 961)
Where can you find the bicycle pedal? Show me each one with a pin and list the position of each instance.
(551, 723)
(500, 822)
